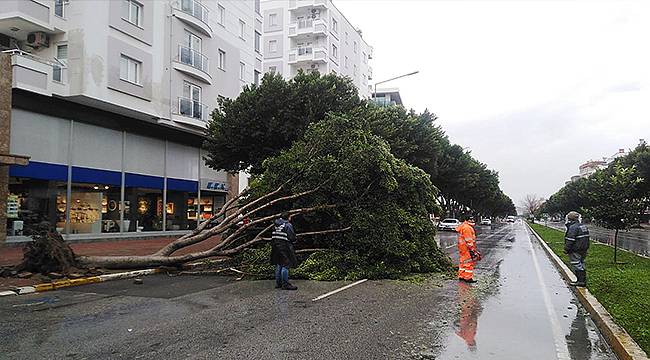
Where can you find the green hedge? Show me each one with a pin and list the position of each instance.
(623, 289)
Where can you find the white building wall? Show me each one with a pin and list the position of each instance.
(96, 35)
(349, 43)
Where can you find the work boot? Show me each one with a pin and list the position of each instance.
(288, 286)
(278, 285)
(581, 279)
(470, 281)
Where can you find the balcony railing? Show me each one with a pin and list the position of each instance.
(307, 53)
(307, 26)
(194, 8)
(193, 109)
(297, 4)
(193, 58)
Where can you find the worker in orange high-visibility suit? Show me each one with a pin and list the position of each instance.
(468, 254)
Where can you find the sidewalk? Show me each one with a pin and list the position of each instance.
(14, 254)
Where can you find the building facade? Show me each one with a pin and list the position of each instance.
(387, 97)
(110, 102)
(313, 35)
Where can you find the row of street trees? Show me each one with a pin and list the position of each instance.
(616, 197)
(358, 180)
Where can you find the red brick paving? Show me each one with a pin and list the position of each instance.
(13, 255)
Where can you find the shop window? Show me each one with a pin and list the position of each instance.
(94, 208)
(32, 201)
(210, 204)
(143, 205)
(181, 210)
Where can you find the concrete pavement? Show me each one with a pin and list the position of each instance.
(520, 308)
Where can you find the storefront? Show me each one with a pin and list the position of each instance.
(88, 181)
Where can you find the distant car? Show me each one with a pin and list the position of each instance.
(448, 224)
(486, 221)
(510, 219)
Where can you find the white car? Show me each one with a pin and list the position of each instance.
(448, 224)
(486, 221)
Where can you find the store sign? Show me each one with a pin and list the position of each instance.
(12, 207)
(213, 185)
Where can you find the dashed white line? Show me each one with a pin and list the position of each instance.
(339, 290)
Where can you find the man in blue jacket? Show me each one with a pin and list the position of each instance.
(576, 244)
(283, 255)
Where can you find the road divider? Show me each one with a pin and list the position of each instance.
(621, 342)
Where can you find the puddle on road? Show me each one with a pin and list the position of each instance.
(504, 315)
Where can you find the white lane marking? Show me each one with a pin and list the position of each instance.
(339, 290)
(561, 348)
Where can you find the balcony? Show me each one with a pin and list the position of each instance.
(26, 16)
(194, 14)
(191, 112)
(31, 72)
(308, 27)
(301, 4)
(307, 54)
(193, 63)
(369, 73)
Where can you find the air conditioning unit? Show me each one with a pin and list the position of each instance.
(314, 66)
(38, 39)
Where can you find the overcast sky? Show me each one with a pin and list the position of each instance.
(533, 88)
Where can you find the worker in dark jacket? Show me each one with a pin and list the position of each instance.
(576, 244)
(283, 255)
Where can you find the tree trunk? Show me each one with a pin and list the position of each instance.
(615, 244)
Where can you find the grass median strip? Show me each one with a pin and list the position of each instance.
(623, 289)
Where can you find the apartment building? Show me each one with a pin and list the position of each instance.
(387, 97)
(110, 100)
(314, 35)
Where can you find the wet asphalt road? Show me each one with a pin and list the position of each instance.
(519, 309)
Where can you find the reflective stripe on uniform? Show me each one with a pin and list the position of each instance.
(581, 236)
(570, 239)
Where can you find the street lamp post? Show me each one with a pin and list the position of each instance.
(374, 94)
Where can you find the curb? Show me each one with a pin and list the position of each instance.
(55, 285)
(621, 342)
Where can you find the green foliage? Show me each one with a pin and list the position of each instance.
(611, 197)
(265, 119)
(623, 289)
(383, 199)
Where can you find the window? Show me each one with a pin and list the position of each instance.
(258, 39)
(132, 12)
(256, 77)
(335, 51)
(345, 63)
(347, 36)
(242, 30)
(59, 8)
(257, 6)
(335, 25)
(130, 69)
(242, 71)
(355, 70)
(355, 47)
(222, 16)
(273, 46)
(62, 57)
(190, 104)
(222, 59)
(273, 19)
(190, 52)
